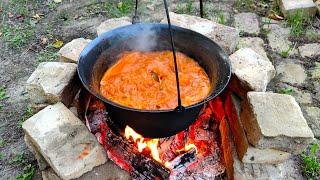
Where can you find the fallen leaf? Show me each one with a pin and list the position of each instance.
(57, 1)
(273, 15)
(43, 40)
(10, 14)
(0, 33)
(36, 16)
(57, 44)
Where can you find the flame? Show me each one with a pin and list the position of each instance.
(151, 145)
(142, 143)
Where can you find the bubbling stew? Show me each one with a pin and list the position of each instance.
(146, 80)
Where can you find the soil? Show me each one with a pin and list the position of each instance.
(66, 21)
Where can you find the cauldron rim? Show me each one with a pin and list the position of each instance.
(107, 34)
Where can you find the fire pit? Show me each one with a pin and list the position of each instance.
(199, 152)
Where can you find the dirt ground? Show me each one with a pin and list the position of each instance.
(29, 29)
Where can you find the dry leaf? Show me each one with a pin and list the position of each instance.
(273, 15)
(57, 1)
(36, 16)
(43, 40)
(57, 44)
(10, 14)
(0, 33)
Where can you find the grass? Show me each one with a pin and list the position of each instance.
(221, 18)
(1, 155)
(52, 5)
(285, 90)
(119, 9)
(285, 53)
(2, 143)
(244, 4)
(2, 95)
(17, 36)
(296, 23)
(28, 169)
(17, 159)
(185, 8)
(28, 113)
(311, 162)
(16, 29)
(28, 173)
(47, 54)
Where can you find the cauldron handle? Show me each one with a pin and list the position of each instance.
(179, 108)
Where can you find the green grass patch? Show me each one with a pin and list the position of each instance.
(17, 36)
(185, 8)
(311, 162)
(2, 143)
(221, 19)
(28, 113)
(297, 22)
(47, 54)
(17, 159)
(119, 8)
(1, 155)
(16, 29)
(285, 53)
(286, 91)
(28, 173)
(2, 96)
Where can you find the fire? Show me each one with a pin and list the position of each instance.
(144, 144)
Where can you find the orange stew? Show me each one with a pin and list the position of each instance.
(146, 80)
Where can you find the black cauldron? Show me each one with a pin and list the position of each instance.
(104, 51)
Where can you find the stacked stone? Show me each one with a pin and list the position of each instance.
(61, 143)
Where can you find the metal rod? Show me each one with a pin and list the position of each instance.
(180, 107)
(136, 9)
(135, 18)
(201, 8)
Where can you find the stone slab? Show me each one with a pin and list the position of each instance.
(64, 141)
(255, 43)
(227, 37)
(252, 69)
(291, 72)
(52, 82)
(71, 51)
(315, 72)
(275, 121)
(310, 50)
(313, 119)
(111, 24)
(247, 23)
(42, 163)
(278, 38)
(106, 171)
(246, 152)
(291, 7)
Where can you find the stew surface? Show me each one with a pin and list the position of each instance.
(146, 80)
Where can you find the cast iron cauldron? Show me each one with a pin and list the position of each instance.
(104, 51)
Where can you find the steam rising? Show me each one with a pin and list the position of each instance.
(145, 41)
